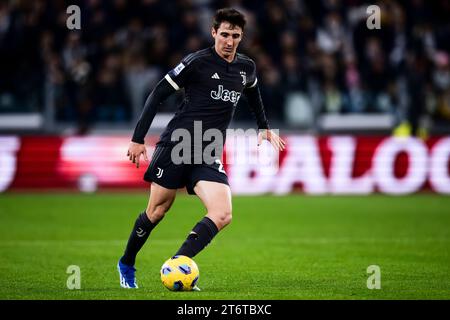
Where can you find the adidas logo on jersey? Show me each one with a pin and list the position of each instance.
(215, 76)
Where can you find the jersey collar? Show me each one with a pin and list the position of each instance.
(222, 60)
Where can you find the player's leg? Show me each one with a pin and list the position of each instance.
(217, 199)
(164, 178)
(160, 201)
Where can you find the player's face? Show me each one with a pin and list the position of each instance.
(227, 38)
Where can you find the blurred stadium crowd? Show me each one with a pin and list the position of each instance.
(313, 57)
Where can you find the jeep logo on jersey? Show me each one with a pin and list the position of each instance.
(226, 95)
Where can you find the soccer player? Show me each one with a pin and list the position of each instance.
(213, 79)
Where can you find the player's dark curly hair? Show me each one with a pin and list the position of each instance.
(230, 15)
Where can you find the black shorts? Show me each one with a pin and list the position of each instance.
(165, 173)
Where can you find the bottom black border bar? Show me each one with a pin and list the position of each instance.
(223, 309)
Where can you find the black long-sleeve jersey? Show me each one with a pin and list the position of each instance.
(212, 87)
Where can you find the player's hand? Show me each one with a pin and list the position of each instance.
(273, 138)
(135, 150)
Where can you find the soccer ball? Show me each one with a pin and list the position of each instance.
(179, 273)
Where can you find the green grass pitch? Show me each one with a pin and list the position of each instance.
(290, 247)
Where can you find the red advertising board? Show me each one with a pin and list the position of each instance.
(313, 165)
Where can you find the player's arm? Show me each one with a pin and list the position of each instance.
(257, 108)
(160, 93)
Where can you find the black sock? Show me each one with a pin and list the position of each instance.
(138, 236)
(199, 238)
